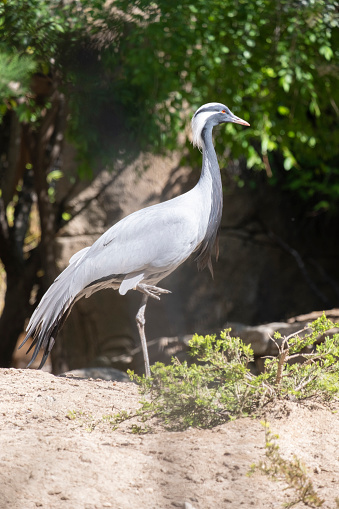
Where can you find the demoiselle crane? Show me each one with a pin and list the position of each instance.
(144, 247)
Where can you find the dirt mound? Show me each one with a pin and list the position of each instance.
(58, 450)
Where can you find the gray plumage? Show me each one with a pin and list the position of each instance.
(144, 247)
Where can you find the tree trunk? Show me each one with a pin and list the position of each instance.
(41, 149)
(20, 281)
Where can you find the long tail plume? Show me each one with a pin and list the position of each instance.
(50, 315)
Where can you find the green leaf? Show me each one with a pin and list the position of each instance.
(54, 175)
(283, 110)
(66, 216)
(285, 81)
(326, 51)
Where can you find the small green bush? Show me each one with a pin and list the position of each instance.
(219, 385)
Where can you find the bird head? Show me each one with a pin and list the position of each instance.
(210, 115)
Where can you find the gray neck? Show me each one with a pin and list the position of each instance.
(210, 170)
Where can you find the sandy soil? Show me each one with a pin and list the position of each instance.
(58, 451)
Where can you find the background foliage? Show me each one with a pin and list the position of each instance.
(274, 63)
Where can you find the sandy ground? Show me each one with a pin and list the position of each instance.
(59, 451)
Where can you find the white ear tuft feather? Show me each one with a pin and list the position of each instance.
(199, 121)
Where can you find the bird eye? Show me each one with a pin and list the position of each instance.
(223, 111)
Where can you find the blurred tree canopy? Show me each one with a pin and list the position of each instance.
(274, 63)
(62, 64)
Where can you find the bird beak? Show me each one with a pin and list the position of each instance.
(237, 120)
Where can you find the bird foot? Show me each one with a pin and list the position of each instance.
(152, 291)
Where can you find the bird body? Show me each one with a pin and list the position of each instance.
(144, 247)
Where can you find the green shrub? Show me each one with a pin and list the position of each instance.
(219, 386)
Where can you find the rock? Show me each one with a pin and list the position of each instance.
(102, 373)
(187, 505)
(260, 336)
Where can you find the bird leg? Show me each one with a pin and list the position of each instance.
(148, 291)
(151, 290)
(140, 319)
